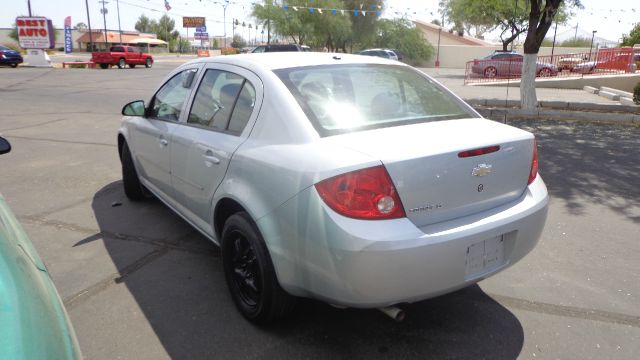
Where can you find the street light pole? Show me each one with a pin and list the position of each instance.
(224, 21)
(593, 34)
(553, 47)
(29, 5)
(438, 53)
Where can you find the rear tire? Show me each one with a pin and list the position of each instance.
(14, 65)
(148, 63)
(250, 274)
(490, 72)
(104, 66)
(134, 190)
(122, 63)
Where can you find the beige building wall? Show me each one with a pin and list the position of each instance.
(456, 56)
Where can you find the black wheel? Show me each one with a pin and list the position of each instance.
(122, 63)
(148, 63)
(490, 72)
(104, 66)
(249, 272)
(545, 72)
(134, 190)
(14, 65)
(132, 65)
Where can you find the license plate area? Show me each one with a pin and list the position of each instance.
(484, 257)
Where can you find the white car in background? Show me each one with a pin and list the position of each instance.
(355, 180)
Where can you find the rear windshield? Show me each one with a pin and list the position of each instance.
(345, 98)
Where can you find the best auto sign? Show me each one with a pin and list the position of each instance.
(35, 33)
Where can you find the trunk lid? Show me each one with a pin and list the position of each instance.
(433, 182)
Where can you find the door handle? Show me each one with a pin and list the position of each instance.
(164, 142)
(210, 158)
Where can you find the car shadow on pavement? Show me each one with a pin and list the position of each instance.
(179, 287)
(590, 163)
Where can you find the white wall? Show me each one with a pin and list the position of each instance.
(456, 56)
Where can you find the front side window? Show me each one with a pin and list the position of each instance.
(346, 98)
(168, 102)
(224, 102)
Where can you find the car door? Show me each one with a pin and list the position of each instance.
(219, 120)
(152, 134)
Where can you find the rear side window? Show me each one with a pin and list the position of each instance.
(117, 49)
(224, 102)
(346, 98)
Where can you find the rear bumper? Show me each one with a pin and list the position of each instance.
(318, 253)
(11, 60)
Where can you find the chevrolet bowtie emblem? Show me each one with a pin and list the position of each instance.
(481, 170)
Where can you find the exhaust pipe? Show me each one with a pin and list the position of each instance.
(393, 312)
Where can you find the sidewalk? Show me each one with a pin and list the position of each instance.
(496, 101)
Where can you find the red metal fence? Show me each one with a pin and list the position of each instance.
(502, 66)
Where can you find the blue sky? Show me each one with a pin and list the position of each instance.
(611, 18)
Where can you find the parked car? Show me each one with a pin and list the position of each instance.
(383, 53)
(33, 320)
(507, 64)
(10, 57)
(618, 62)
(569, 62)
(122, 56)
(355, 180)
(280, 48)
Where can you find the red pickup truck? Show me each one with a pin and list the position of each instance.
(121, 56)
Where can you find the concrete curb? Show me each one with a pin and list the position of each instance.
(549, 114)
(559, 105)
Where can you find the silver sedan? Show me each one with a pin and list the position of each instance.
(355, 180)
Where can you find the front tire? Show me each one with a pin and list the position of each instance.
(14, 65)
(250, 274)
(122, 63)
(134, 190)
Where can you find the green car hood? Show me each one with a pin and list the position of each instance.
(33, 321)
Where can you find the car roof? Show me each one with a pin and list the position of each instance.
(283, 60)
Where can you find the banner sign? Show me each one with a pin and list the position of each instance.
(35, 33)
(68, 41)
(193, 21)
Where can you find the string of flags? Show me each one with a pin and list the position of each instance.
(375, 10)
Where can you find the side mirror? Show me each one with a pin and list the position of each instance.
(5, 147)
(134, 108)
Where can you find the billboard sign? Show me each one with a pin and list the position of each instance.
(193, 21)
(35, 32)
(68, 41)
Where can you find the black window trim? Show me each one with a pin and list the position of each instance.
(147, 111)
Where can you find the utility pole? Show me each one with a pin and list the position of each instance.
(119, 28)
(29, 5)
(575, 37)
(104, 12)
(86, 2)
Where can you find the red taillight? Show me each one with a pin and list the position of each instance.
(477, 152)
(534, 164)
(363, 194)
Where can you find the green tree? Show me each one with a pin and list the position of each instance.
(238, 42)
(633, 37)
(401, 34)
(509, 16)
(144, 24)
(80, 26)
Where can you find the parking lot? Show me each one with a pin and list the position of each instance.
(140, 283)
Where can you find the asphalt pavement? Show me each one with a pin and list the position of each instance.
(139, 283)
